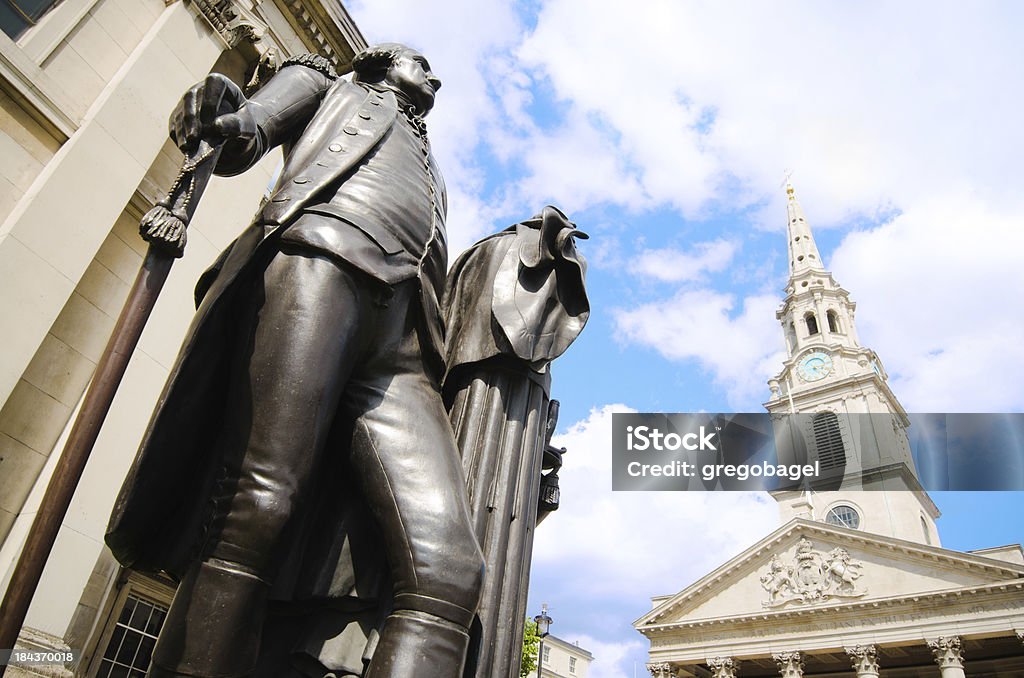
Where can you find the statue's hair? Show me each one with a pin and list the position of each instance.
(372, 63)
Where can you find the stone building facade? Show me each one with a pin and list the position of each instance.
(562, 659)
(86, 87)
(854, 582)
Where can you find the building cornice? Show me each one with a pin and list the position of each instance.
(326, 29)
(1010, 589)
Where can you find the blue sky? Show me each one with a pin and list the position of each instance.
(664, 129)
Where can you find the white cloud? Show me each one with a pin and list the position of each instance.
(939, 292)
(635, 545)
(741, 351)
(871, 105)
(674, 265)
(610, 659)
(575, 166)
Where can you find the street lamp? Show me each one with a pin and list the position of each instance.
(543, 622)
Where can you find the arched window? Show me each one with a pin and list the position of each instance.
(812, 323)
(828, 440)
(843, 516)
(833, 322)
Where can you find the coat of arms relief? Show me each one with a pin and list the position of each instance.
(812, 576)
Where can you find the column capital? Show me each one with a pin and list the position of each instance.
(791, 664)
(947, 651)
(661, 670)
(864, 659)
(723, 667)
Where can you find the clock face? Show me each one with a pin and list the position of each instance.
(815, 366)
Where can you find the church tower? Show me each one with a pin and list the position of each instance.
(857, 427)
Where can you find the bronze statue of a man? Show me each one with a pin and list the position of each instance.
(317, 336)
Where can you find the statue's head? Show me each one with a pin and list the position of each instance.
(401, 68)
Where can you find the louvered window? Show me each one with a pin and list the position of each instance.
(828, 440)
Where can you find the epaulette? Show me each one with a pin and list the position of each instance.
(314, 61)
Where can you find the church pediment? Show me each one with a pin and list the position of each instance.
(809, 565)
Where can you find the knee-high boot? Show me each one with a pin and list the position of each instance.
(213, 627)
(416, 644)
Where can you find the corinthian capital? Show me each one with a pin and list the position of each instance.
(723, 667)
(791, 664)
(947, 651)
(864, 659)
(661, 670)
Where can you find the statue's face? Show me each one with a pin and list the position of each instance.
(410, 74)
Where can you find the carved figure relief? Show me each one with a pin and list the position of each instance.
(812, 577)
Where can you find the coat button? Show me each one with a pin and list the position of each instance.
(335, 148)
(350, 130)
(301, 180)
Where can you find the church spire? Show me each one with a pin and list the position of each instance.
(830, 376)
(803, 253)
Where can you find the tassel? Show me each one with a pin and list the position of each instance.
(164, 226)
(161, 228)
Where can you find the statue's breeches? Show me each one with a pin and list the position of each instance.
(324, 348)
(327, 351)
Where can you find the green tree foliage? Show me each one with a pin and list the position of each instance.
(530, 642)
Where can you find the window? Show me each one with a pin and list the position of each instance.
(833, 322)
(812, 323)
(547, 655)
(843, 516)
(572, 664)
(17, 16)
(131, 644)
(828, 440)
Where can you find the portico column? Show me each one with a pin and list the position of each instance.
(864, 659)
(723, 667)
(948, 656)
(791, 664)
(661, 670)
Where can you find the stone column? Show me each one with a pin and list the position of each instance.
(820, 313)
(723, 667)
(791, 664)
(661, 670)
(948, 656)
(864, 660)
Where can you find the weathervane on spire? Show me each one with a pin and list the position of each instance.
(785, 183)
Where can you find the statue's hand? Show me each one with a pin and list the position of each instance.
(212, 110)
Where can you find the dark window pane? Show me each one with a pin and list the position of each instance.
(17, 16)
(127, 652)
(141, 616)
(115, 643)
(126, 613)
(118, 671)
(145, 652)
(156, 621)
(104, 668)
